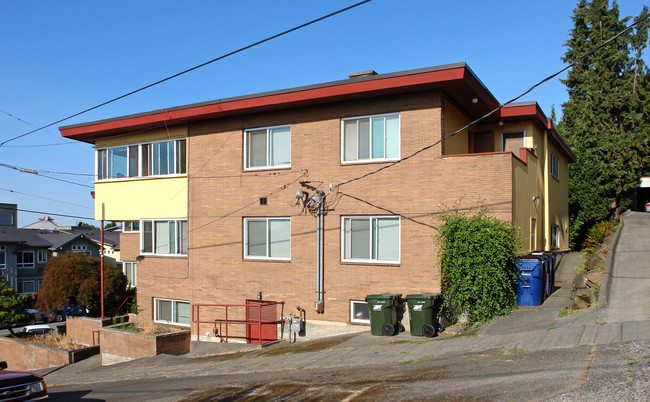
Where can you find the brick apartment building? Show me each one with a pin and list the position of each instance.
(208, 192)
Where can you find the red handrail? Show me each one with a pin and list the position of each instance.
(196, 312)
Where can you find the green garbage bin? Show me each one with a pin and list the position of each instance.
(424, 311)
(383, 313)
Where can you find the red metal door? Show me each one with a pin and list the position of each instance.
(256, 311)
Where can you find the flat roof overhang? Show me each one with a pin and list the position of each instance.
(456, 80)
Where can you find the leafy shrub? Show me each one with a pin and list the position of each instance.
(596, 235)
(477, 255)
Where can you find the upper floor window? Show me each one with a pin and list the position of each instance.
(267, 238)
(41, 256)
(6, 219)
(370, 138)
(80, 248)
(512, 142)
(555, 166)
(25, 259)
(3, 257)
(130, 226)
(166, 237)
(267, 148)
(371, 239)
(152, 159)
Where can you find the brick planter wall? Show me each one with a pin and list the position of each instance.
(23, 355)
(80, 329)
(119, 345)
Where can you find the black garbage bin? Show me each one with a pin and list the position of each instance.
(424, 311)
(383, 314)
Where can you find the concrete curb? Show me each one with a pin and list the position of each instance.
(608, 273)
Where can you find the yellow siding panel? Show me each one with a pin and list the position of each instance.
(130, 200)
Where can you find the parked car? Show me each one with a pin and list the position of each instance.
(647, 206)
(39, 316)
(20, 385)
(37, 329)
(60, 315)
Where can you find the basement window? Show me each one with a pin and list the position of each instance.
(359, 312)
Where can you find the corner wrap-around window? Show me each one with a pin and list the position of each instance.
(370, 138)
(555, 236)
(555, 166)
(166, 237)
(371, 239)
(267, 238)
(25, 259)
(171, 311)
(267, 148)
(142, 160)
(130, 226)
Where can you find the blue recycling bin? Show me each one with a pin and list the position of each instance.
(550, 258)
(530, 291)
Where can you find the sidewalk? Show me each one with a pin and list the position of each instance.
(527, 329)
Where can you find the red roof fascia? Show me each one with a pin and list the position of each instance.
(291, 98)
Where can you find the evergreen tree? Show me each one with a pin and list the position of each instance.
(607, 117)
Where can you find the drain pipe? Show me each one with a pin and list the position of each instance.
(320, 301)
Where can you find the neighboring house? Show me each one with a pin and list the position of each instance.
(43, 223)
(23, 256)
(8, 215)
(207, 192)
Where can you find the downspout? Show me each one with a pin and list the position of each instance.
(320, 302)
(545, 197)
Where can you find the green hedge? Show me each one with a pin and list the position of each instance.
(477, 255)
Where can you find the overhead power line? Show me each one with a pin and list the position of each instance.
(550, 77)
(191, 69)
(38, 173)
(45, 198)
(52, 213)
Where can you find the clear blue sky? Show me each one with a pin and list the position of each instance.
(58, 58)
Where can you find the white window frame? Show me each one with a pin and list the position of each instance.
(134, 273)
(555, 166)
(505, 133)
(3, 263)
(23, 264)
(127, 227)
(269, 149)
(174, 302)
(177, 237)
(370, 260)
(41, 256)
(268, 248)
(355, 320)
(144, 150)
(371, 159)
(555, 236)
(23, 287)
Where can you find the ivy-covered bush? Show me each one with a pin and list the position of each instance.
(477, 256)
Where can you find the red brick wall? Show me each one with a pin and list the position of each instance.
(80, 329)
(135, 345)
(221, 194)
(21, 355)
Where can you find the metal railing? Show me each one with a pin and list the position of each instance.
(220, 326)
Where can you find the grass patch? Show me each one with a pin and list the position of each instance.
(632, 363)
(54, 339)
(550, 328)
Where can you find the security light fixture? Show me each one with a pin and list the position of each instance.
(474, 99)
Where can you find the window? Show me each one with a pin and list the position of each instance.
(371, 239)
(131, 272)
(555, 166)
(41, 256)
(555, 236)
(267, 148)
(25, 259)
(25, 287)
(153, 159)
(3, 257)
(6, 219)
(130, 226)
(170, 311)
(370, 138)
(359, 312)
(267, 238)
(80, 248)
(511, 142)
(166, 237)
